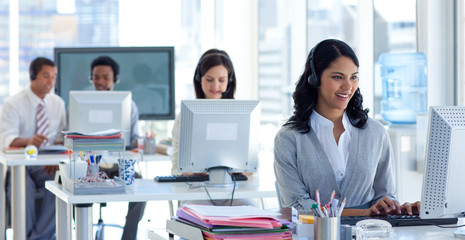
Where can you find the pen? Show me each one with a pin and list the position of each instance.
(318, 197)
(315, 211)
(92, 159)
(326, 211)
(332, 197)
(342, 207)
(334, 207)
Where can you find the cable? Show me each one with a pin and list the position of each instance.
(191, 186)
(442, 226)
(234, 187)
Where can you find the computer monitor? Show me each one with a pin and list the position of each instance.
(93, 111)
(148, 72)
(219, 137)
(443, 191)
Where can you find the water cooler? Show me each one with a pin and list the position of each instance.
(404, 99)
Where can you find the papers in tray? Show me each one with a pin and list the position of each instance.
(235, 222)
(106, 134)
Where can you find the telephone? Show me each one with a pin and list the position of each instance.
(373, 229)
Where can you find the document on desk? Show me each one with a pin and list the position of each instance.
(14, 150)
(221, 215)
(228, 222)
(230, 211)
(109, 133)
(53, 149)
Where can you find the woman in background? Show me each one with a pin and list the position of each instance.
(214, 78)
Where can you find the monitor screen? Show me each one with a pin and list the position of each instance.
(148, 72)
(443, 192)
(218, 134)
(93, 111)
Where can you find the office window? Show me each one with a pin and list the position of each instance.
(275, 84)
(43, 25)
(460, 22)
(394, 32)
(4, 49)
(331, 19)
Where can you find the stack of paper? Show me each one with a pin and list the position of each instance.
(230, 223)
(106, 134)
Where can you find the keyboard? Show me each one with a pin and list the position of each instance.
(193, 178)
(401, 220)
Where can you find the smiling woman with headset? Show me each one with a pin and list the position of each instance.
(330, 143)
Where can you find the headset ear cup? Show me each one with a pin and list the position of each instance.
(32, 76)
(313, 80)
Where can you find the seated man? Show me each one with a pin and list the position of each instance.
(35, 116)
(104, 76)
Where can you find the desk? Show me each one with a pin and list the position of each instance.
(401, 233)
(146, 190)
(17, 162)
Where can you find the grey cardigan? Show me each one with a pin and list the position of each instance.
(301, 167)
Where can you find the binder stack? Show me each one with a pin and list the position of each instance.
(227, 223)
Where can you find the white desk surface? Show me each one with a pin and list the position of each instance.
(42, 159)
(145, 190)
(52, 159)
(18, 163)
(426, 232)
(149, 190)
(401, 233)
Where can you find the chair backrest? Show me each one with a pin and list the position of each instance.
(278, 194)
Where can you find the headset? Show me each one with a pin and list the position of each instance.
(313, 78)
(32, 70)
(198, 76)
(115, 79)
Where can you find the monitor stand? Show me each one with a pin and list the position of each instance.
(219, 177)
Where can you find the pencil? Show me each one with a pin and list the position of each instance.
(342, 207)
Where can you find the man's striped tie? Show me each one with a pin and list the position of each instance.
(42, 122)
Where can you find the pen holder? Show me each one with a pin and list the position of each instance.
(327, 228)
(92, 170)
(127, 170)
(149, 146)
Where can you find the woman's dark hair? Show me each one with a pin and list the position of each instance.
(306, 94)
(213, 58)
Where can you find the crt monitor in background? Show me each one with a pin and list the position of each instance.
(148, 72)
(92, 111)
(219, 136)
(443, 193)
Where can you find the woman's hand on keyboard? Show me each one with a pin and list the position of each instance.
(385, 206)
(411, 208)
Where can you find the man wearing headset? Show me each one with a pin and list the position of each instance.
(35, 116)
(104, 76)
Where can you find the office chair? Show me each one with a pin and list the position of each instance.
(278, 195)
(99, 233)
